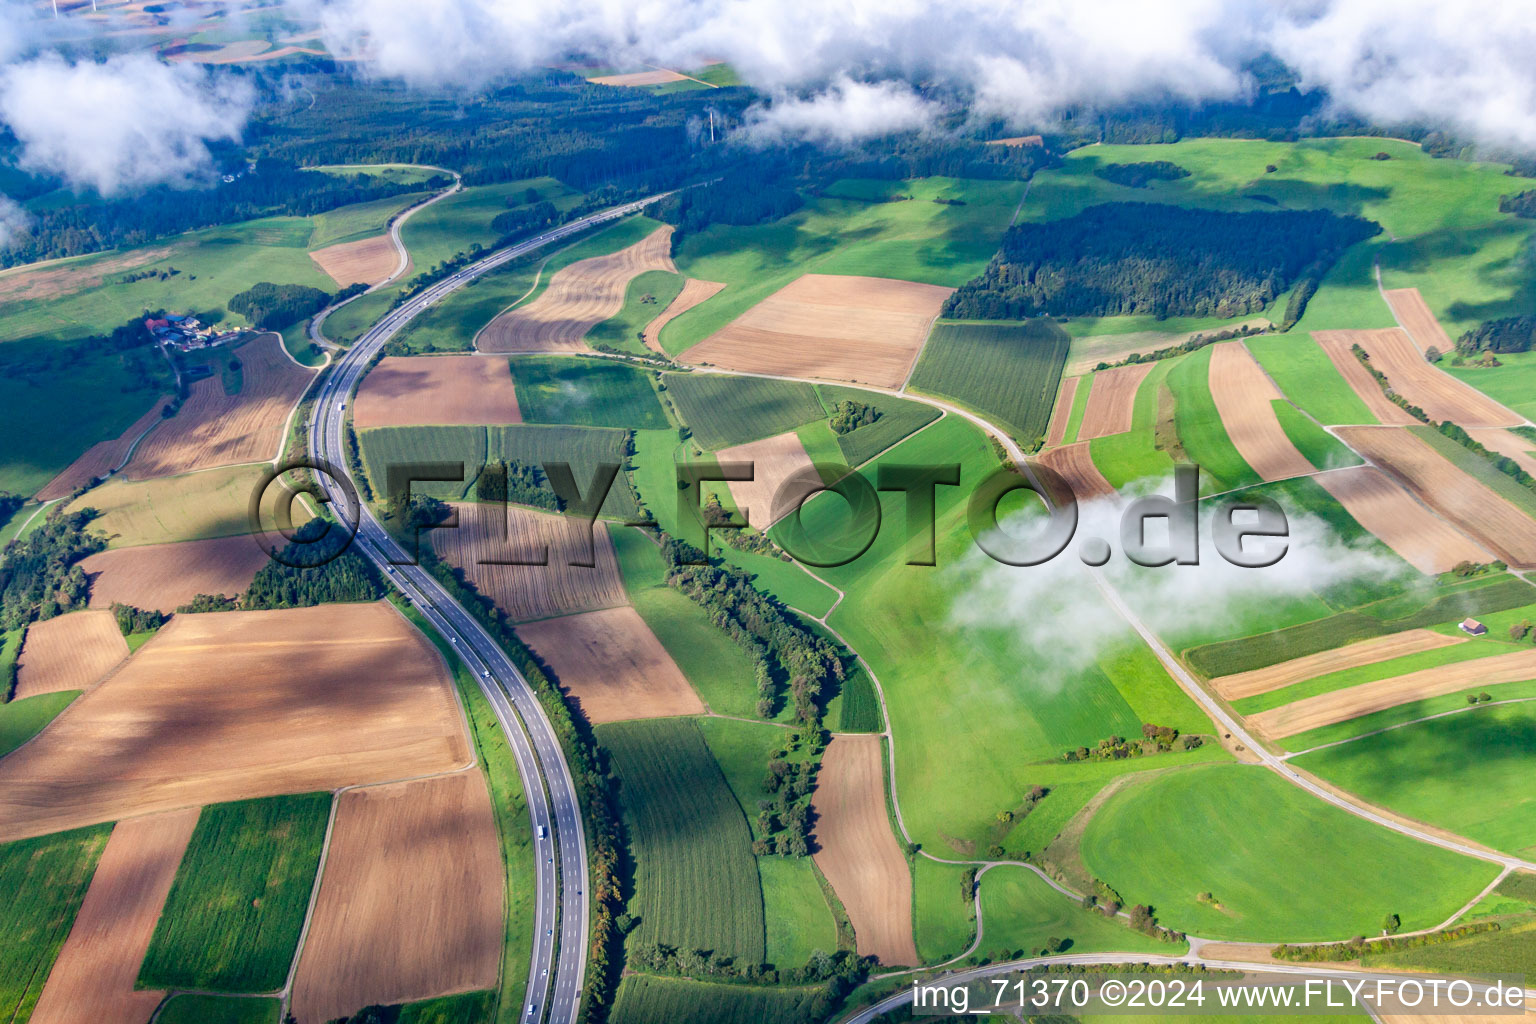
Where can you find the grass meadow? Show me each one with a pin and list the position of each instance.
(1402, 714)
(696, 883)
(645, 999)
(232, 919)
(1007, 372)
(723, 411)
(46, 878)
(898, 419)
(943, 920)
(1140, 452)
(1021, 913)
(20, 720)
(1316, 445)
(1201, 433)
(1280, 864)
(647, 295)
(586, 392)
(191, 1008)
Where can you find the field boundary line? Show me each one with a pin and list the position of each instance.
(286, 992)
(1401, 725)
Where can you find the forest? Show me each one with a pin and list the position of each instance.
(751, 194)
(40, 577)
(275, 306)
(1128, 258)
(1507, 334)
(1138, 175)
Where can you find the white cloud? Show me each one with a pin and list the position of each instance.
(123, 123)
(1056, 607)
(1386, 59)
(13, 220)
(843, 112)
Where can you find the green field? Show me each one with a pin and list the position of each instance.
(1020, 913)
(584, 448)
(20, 720)
(1318, 446)
(943, 920)
(467, 1007)
(1281, 864)
(922, 240)
(232, 920)
(647, 295)
(715, 664)
(451, 325)
(1509, 383)
(696, 884)
(644, 999)
(360, 220)
(1135, 455)
(1007, 372)
(47, 878)
(798, 920)
(586, 392)
(398, 446)
(859, 710)
(898, 419)
(202, 1009)
(1402, 714)
(1201, 433)
(192, 506)
(1469, 773)
(1303, 371)
(1511, 950)
(723, 411)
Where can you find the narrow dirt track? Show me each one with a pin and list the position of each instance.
(1365, 652)
(69, 652)
(1243, 393)
(577, 298)
(93, 979)
(859, 854)
(1499, 525)
(411, 902)
(1111, 399)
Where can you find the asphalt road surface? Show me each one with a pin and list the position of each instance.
(560, 912)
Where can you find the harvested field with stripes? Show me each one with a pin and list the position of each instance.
(230, 705)
(1056, 433)
(774, 460)
(1410, 309)
(1488, 518)
(1366, 652)
(1074, 463)
(637, 78)
(861, 330)
(1420, 538)
(1243, 393)
(491, 531)
(577, 298)
(1367, 698)
(69, 652)
(1111, 397)
(1340, 348)
(1441, 396)
(694, 293)
(102, 457)
(93, 978)
(365, 261)
(410, 391)
(859, 854)
(613, 665)
(411, 902)
(215, 429)
(167, 576)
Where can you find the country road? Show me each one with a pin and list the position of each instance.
(561, 906)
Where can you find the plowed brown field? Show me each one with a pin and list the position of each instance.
(1340, 348)
(1366, 652)
(93, 979)
(231, 705)
(613, 665)
(1367, 698)
(365, 261)
(864, 330)
(1497, 524)
(215, 429)
(1410, 309)
(634, 78)
(69, 652)
(578, 297)
(1441, 396)
(102, 457)
(1421, 538)
(411, 902)
(1074, 464)
(1062, 413)
(694, 292)
(858, 853)
(1243, 392)
(405, 391)
(524, 592)
(1111, 398)
(167, 576)
(774, 460)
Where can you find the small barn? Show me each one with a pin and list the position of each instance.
(1472, 627)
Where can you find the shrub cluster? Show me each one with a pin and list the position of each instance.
(1361, 946)
(1155, 739)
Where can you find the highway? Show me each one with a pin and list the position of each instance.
(561, 913)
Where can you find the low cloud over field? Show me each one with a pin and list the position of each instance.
(1062, 622)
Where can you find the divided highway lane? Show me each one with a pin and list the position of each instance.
(561, 855)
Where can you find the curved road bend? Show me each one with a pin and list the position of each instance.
(539, 757)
